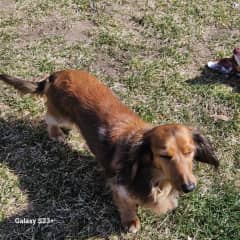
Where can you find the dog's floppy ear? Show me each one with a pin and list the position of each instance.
(140, 154)
(129, 157)
(204, 150)
(143, 152)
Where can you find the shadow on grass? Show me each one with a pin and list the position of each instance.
(61, 184)
(208, 76)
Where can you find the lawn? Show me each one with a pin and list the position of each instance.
(153, 55)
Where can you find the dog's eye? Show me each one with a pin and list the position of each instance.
(188, 153)
(165, 157)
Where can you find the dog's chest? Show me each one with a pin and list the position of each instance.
(161, 194)
(152, 191)
(163, 199)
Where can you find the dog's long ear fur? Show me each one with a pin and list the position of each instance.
(204, 150)
(140, 154)
(130, 157)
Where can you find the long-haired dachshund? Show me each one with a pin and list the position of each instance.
(144, 165)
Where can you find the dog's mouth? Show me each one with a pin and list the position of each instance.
(180, 186)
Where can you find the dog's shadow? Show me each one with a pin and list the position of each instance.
(208, 76)
(62, 185)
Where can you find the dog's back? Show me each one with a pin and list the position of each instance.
(81, 98)
(77, 97)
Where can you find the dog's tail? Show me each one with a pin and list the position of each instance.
(25, 86)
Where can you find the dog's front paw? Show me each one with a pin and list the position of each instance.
(133, 226)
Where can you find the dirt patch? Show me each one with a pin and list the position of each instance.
(79, 31)
(7, 6)
(53, 25)
(201, 54)
(26, 32)
(214, 34)
(123, 15)
(106, 66)
(202, 51)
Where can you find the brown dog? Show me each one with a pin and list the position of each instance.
(144, 164)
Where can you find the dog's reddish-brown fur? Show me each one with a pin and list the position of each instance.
(144, 164)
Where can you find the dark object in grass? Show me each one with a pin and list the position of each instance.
(227, 65)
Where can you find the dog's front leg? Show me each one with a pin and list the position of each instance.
(127, 208)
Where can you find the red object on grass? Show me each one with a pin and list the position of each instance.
(227, 65)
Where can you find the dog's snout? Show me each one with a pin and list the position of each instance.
(188, 187)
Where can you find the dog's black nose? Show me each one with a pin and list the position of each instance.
(188, 187)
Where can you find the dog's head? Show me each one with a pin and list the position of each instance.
(172, 149)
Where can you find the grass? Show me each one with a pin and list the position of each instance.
(153, 55)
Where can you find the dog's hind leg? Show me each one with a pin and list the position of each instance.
(55, 120)
(53, 126)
